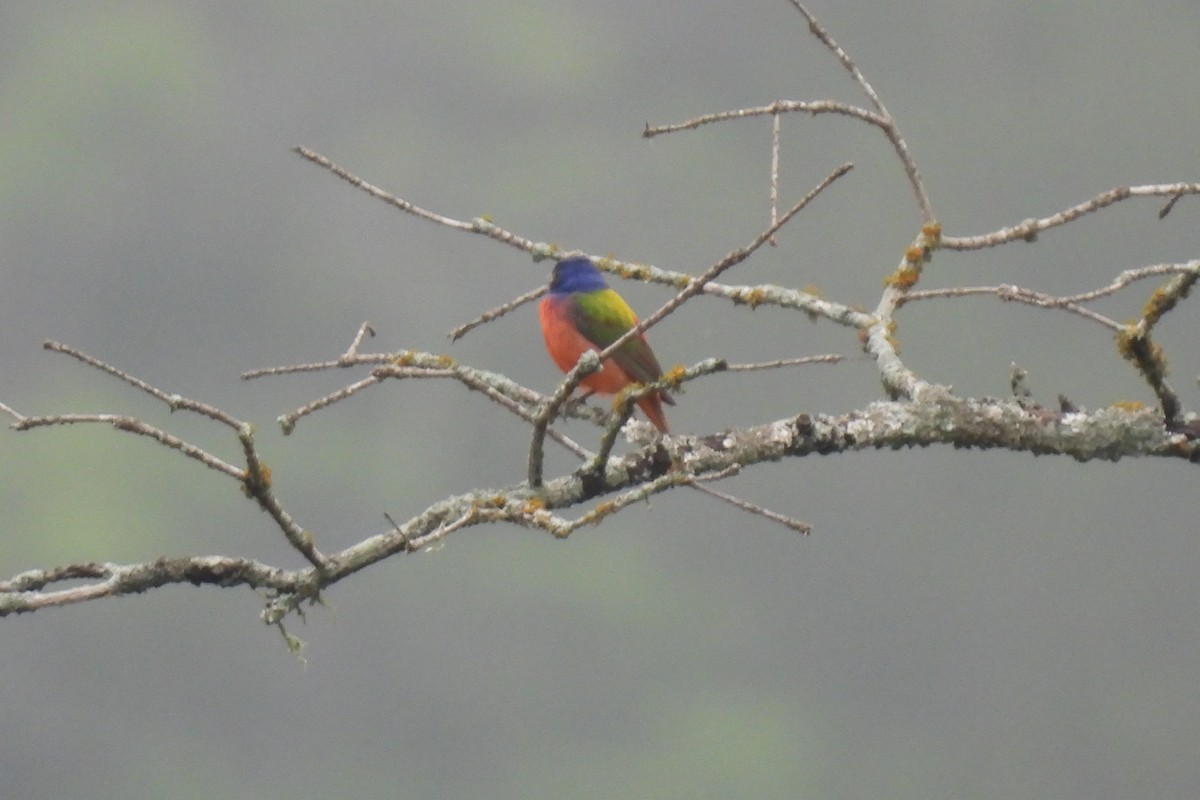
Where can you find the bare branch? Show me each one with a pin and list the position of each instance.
(891, 129)
(364, 330)
(774, 193)
(1029, 229)
(745, 505)
(1014, 294)
(517, 399)
(257, 485)
(341, 362)
(931, 414)
(1108, 434)
(828, 358)
(813, 107)
(255, 478)
(817, 30)
(606, 509)
(1134, 342)
(12, 412)
(26, 592)
(173, 401)
(1129, 276)
(497, 312)
(139, 428)
(899, 380)
(288, 421)
(479, 225)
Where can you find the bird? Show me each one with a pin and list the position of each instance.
(581, 313)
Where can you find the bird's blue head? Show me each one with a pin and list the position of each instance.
(576, 274)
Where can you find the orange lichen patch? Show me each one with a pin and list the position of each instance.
(754, 297)
(675, 375)
(444, 362)
(1125, 340)
(1135, 346)
(903, 279)
(254, 482)
(601, 511)
(1160, 302)
(915, 255)
(533, 505)
(1129, 405)
(932, 231)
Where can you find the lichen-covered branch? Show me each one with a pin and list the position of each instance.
(918, 413)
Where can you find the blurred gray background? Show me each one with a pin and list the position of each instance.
(961, 624)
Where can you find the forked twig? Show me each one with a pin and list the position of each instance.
(174, 402)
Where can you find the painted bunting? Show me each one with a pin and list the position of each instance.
(581, 313)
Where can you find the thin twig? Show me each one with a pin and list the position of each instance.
(745, 505)
(1134, 342)
(588, 363)
(497, 312)
(891, 129)
(1129, 276)
(363, 331)
(288, 421)
(748, 295)
(319, 366)
(880, 118)
(139, 428)
(27, 591)
(258, 485)
(442, 531)
(470, 379)
(774, 194)
(255, 478)
(173, 401)
(12, 412)
(813, 107)
(696, 285)
(1030, 228)
(1015, 294)
(828, 358)
(517, 399)
(479, 225)
(609, 507)
(817, 30)
(1170, 204)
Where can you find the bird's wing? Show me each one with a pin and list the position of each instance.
(602, 317)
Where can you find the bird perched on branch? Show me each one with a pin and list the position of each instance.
(581, 313)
